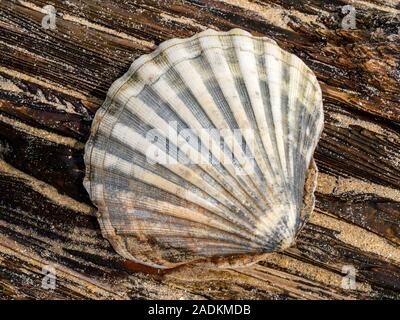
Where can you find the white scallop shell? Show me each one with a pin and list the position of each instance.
(171, 177)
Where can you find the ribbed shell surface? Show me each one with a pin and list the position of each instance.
(164, 196)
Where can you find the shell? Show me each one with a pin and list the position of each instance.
(173, 181)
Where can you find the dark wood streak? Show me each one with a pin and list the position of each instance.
(54, 80)
(321, 246)
(376, 214)
(46, 161)
(50, 111)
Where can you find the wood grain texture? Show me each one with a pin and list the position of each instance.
(52, 82)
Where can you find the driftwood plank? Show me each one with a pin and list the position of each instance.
(52, 82)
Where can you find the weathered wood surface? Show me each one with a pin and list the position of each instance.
(52, 82)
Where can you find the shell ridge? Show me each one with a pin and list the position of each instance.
(248, 66)
(191, 121)
(143, 145)
(137, 63)
(288, 204)
(247, 63)
(218, 223)
(180, 170)
(288, 88)
(188, 74)
(294, 86)
(149, 116)
(273, 65)
(219, 75)
(224, 77)
(144, 222)
(301, 100)
(317, 126)
(222, 224)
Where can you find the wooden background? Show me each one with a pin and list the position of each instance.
(52, 82)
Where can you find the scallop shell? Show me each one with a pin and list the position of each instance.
(171, 177)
